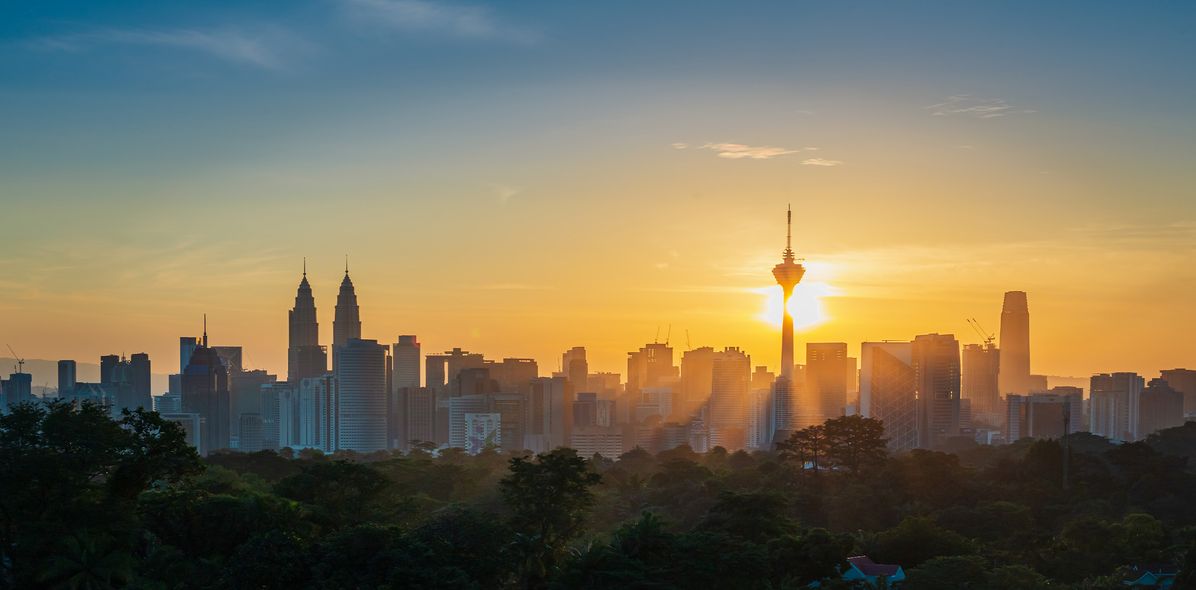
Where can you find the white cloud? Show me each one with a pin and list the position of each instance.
(680, 145)
(821, 162)
(267, 48)
(471, 22)
(972, 106)
(737, 151)
(505, 193)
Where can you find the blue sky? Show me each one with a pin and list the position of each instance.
(151, 146)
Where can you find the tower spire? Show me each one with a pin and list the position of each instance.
(305, 267)
(205, 330)
(346, 265)
(788, 254)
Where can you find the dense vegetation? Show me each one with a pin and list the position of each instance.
(87, 502)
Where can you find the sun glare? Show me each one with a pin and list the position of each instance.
(805, 305)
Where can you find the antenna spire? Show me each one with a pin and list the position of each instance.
(205, 330)
(788, 254)
(305, 267)
(346, 265)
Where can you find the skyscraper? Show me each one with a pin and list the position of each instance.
(936, 381)
(575, 367)
(406, 362)
(1183, 381)
(361, 396)
(206, 394)
(67, 377)
(346, 325)
(1160, 406)
(1113, 405)
(825, 394)
(697, 379)
(1015, 345)
(981, 366)
(305, 357)
(888, 392)
(788, 274)
(726, 415)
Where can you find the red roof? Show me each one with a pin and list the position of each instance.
(871, 568)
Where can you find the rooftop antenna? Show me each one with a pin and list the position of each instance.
(205, 330)
(305, 267)
(668, 335)
(788, 254)
(656, 340)
(346, 265)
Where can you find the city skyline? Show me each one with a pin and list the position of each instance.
(504, 179)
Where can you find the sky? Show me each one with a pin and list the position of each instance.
(521, 178)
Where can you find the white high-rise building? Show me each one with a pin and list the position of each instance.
(726, 416)
(888, 392)
(482, 429)
(361, 396)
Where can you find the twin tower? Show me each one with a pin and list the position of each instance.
(306, 357)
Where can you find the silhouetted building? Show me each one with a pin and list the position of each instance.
(276, 412)
(576, 367)
(937, 381)
(1044, 415)
(206, 394)
(726, 415)
(305, 357)
(980, 382)
(317, 414)
(440, 370)
(232, 356)
(1160, 406)
(759, 423)
(1014, 374)
(888, 391)
(251, 433)
(17, 389)
(417, 417)
(825, 394)
(549, 410)
(346, 325)
(460, 408)
(191, 424)
(1183, 381)
(126, 381)
(406, 362)
(697, 379)
(514, 375)
(361, 396)
(245, 391)
(1113, 405)
(67, 377)
(187, 346)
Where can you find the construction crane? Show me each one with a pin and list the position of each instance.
(988, 338)
(20, 361)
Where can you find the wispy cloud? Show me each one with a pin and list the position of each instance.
(738, 151)
(821, 162)
(974, 106)
(464, 21)
(267, 48)
(506, 192)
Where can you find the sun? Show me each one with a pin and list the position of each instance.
(805, 304)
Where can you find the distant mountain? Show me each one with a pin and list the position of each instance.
(45, 374)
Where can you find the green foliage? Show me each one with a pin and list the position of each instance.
(91, 502)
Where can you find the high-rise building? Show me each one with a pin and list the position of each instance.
(67, 377)
(726, 415)
(278, 415)
(126, 381)
(482, 430)
(187, 346)
(1044, 415)
(252, 433)
(649, 367)
(232, 356)
(17, 389)
(206, 394)
(981, 366)
(697, 378)
(305, 357)
(576, 368)
(788, 274)
(406, 362)
(512, 409)
(825, 394)
(417, 417)
(346, 325)
(549, 411)
(361, 396)
(937, 382)
(460, 408)
(888, 391)
(514, 375)
(1183, 381)
(1014, 375)
(759, 424)
(440, 370)
(245, 397)
(1113, 405)
(317, 414)
(1160, 406)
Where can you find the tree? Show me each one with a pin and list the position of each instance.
(807, 447)
(956, 572)
(549, 498)
(855, 443)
